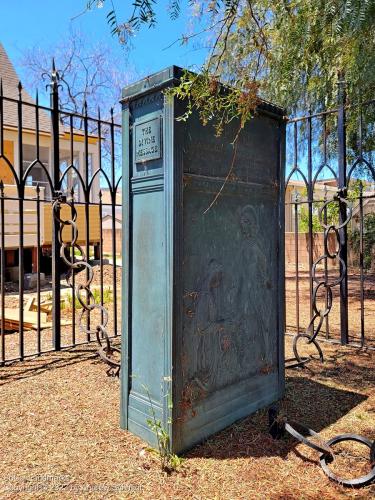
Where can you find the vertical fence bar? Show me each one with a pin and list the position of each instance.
(325, 220)
(326, 267)
(341, 136)
(87, 208)
(21, 196)
(56, 265)
(101, 255)
(100, 218)
(296, 258)
(361, 234)
(2, 227)
(38, 229)
(71, 147)
(73, 278)
(113, 207)
(310, 196)
(361, 263)
(2, 263)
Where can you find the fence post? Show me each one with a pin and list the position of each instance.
(341, 131)
(56, 267)
(310, 198)
(21, 197)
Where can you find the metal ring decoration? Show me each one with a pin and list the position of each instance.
(295, 363)
(356, 482)
(334, 282)
(338, 248)
(310, 340)
(106, 356)
(328, 308)
(87, 299)
(336, 199)
(322, 448)
(278, 426)
(310, 329)
(92, 331)
(313, 329)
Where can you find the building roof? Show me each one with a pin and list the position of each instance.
(322, 184)
(106, 196)
(10, 80)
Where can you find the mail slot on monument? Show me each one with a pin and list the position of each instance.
(203, 305)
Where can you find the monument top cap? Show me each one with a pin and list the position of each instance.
(172, 75)
(153, 82)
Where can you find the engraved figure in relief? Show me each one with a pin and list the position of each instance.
(208, 312)
(255, 293)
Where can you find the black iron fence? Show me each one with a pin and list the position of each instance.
(330, 158)
(45, 150)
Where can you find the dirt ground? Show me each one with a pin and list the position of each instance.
(60, 436)
(12, 340)
(333, 323)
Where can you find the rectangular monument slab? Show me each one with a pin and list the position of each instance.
(203, 290)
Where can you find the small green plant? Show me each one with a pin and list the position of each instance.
(169, 461)
(107, 298)
(332, 210)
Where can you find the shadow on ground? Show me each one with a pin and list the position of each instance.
(310, 402)
(34, 367)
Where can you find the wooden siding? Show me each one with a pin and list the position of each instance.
(5, 173)
(81, 223)
(11, 218)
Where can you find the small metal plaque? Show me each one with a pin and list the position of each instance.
(147, 141)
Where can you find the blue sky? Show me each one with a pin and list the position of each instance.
(27, 23)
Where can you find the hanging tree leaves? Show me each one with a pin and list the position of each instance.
(287, 51)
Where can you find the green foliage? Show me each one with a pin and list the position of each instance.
(107, 298)
(168, 461)
(368, 240)
(288, 51)
(215, 104)
(332, 210)
(332, 216)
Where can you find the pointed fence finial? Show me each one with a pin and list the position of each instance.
(20, 89)
(54, 77)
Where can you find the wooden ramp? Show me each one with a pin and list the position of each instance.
(30, 317)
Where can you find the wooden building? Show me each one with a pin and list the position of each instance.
(10, 154)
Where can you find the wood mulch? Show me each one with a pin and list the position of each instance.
(60, 436)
